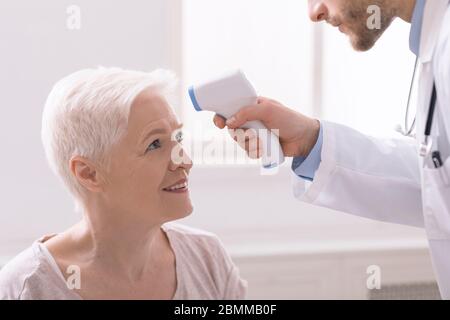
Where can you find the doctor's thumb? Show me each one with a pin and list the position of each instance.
(246, 114)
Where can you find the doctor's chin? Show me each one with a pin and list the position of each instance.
(191, 152)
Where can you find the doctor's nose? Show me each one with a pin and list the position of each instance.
(318, 11)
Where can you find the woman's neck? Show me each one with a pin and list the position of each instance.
(125, 249)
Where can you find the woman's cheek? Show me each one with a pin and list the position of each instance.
(154, 171)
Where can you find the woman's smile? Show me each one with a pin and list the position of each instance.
(181, 186)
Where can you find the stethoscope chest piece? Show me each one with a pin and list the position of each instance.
(425, 147)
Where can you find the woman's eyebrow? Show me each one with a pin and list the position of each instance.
(159, 131)
(153, 132)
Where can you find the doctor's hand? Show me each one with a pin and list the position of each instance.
(298, 133)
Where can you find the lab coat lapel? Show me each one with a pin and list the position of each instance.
(433, 16)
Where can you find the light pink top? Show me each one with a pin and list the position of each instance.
(204, 270)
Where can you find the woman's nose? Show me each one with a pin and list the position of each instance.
(318, 11)
(180, 159)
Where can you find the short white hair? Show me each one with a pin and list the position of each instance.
(87, 112)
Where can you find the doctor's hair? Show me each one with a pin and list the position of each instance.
(87, 112)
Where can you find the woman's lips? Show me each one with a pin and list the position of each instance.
(180, 186)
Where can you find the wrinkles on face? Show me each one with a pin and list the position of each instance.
(142, 165)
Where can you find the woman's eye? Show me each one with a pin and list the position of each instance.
(154, 145)
(179, 136)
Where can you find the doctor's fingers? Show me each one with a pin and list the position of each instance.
(242, 135)
(260, 111)
(219, 121)
(248, 140)
(253, 148)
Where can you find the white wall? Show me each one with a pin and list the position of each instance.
(368, 91)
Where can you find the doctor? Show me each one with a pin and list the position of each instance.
(405, 181)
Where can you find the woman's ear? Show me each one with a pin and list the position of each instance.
(86, 173)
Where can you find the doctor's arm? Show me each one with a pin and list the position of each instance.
(341, 169)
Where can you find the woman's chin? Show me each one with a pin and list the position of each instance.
(189, 210)
(176, 213)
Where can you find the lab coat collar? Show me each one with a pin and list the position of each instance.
(432, 21)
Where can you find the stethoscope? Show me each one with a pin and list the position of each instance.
(426, 145)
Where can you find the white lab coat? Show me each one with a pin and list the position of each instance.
(387, 180)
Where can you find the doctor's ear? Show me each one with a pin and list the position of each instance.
(86, 173)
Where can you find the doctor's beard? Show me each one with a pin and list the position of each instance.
(354, 17)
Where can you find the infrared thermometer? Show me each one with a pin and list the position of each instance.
(225, 96)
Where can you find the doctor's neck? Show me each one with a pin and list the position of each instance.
(405, 9)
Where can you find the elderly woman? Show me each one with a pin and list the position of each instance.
(110, 135)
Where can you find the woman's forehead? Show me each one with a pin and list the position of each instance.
(150, 111)
(150, 107)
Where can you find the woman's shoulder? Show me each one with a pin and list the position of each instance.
(207, 269)
(194, 242)
(191, 238)
(33, 274)
(187, 231)
(15, 274)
